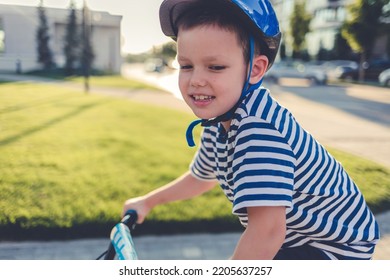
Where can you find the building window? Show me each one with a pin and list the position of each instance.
(2, 37)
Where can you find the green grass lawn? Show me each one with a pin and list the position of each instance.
(68, 161)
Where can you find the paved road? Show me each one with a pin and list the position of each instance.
(358, 122)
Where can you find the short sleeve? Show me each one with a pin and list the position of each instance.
(263, 167)
(202, 165)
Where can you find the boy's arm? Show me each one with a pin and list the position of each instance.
(185, 187)
(264, 235)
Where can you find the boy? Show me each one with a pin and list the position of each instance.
(294, 200)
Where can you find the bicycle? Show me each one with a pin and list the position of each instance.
(121, 243)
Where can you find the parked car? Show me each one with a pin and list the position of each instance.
(374, 68)
(344, 73)
(299, 70)
(337, 69)
(371, 69)
(384, 78)
(331, 64)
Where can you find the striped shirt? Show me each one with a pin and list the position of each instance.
(268, 159)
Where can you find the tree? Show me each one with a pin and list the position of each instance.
(45, 56)
(71, 41)
(342, 49)
(363, 27)
(282, 51)
(386, 21)
(300, 26)
(323, 53)
(169, 50)
(87, 54)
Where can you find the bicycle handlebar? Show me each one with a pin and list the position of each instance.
(129, 220)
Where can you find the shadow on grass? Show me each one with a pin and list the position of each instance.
(382, 206)
(48, 124)
(35, 103)
(5, 82)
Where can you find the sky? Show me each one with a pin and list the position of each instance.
(140, 23)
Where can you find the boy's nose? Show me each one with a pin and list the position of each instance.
(198, 79)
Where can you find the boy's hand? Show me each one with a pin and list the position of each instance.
(185, 187)
(138, 204)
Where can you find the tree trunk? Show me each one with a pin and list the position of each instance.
(362, 66)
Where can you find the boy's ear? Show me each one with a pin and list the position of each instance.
(259, 67)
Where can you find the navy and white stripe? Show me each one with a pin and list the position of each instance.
(267, 159)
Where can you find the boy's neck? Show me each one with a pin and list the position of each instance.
(226, 125)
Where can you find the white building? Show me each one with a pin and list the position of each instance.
(327, 18)
(18, 45)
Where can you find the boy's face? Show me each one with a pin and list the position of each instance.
(212, 70)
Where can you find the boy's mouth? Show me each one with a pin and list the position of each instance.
(201, 97)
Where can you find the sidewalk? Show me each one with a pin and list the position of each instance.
(196, 246)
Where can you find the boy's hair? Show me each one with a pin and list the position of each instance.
(226, 16)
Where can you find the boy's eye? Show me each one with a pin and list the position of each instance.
(185, 67)
(217, 67)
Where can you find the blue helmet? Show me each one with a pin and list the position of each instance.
(259, 12)
(257, 15)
